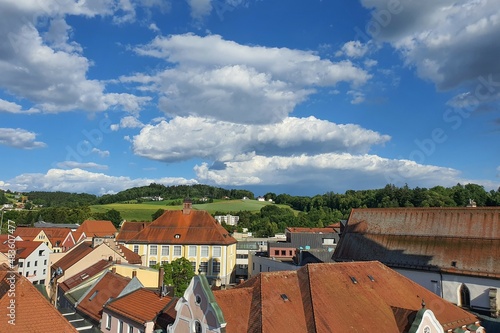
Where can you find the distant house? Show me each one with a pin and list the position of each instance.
(335, 297)
(91, 228)
(454, 252)
(32, 312)
(259, 198)
(128, 313)
(227, 219)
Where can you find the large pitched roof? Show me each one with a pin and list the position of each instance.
(85, 274)
(27, 233)
(454, 240)
(132, 305)
(109, 286)
(197, 227)
(318, 297)
(129, 255)
(25, 248)
(98, 228)
(33, 312)
(129, 230)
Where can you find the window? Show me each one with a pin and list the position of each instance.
(36, 263)
(136, 248)
(40, 252)
(328, 241)
(42, 281)
(204, 267)
(130, 329)
(27, 273)
(45, 262)
(20, 264)
(290, 252)
(120, 326)
(28, 264)
(215, 267)
(276, 252)
(204, 251)
(152, 263)
(34, 273)
(216, 251)
(242, 256)
(283, 252)
(44, 271)
(197, 327)
(177, 250)
(193, 264)
(108, 322)
(164, 250)
(164, 262)
(153, 250)
(192, 251)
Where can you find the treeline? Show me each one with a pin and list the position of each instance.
(173, 192)
(60, 199)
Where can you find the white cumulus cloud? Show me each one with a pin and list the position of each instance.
(19, 138)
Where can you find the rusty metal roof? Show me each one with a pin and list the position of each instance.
(129, 230)
(349, 297)
(455, 240)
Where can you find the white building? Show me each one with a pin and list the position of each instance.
(227, 219)
(33, 261)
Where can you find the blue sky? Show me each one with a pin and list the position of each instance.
(298, 97)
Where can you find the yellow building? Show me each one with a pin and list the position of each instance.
(194, 235)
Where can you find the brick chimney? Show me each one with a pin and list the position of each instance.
(187, 206)
(134, 274)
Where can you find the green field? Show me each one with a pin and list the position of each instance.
(143, 211)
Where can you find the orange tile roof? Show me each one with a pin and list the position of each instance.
(129, 230)
(132, 305)
(131, 256)
(99, 228)
(318, 297)
(74, 255)
(33, 312)
(457, 240)
(109, 286)
(25, 248)
(197, 227)
(27, 233)
(54, 235)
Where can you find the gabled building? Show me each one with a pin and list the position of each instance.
(128, 230)
(57, 239)
(32, 260)
(98, 228)
(454, 252)
(128, 313)
(194, 235)
(25, 309)
(335, 297)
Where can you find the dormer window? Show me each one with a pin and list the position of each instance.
(177, 236)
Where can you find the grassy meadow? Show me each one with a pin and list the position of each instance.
(142, 211)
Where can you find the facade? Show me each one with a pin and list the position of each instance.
(454, 252)
(227, 219)
(128, 313)
(244, 250)
(57, 239)
(339, 297)
(194, 235)
(33, 261)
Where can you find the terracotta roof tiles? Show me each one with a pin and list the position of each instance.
(33, 313)
(85, 274)
(175, 227)
(74, 255)
(99, 228)
(129, 230)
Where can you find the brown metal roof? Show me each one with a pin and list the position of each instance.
(455, 240)
(85, 274)
(175, 227)
(129, 230)
(74, 255)
(33, 312)
(133, 305)
(319, 297)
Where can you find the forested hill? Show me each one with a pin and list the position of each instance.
(61, 199)
(173, 192)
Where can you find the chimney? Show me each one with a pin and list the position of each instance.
(161, 273)
(134, 274)
(113, 270)
(187, 206)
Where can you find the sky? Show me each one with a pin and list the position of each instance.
(299, 96)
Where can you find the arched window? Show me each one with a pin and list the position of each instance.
(464, 296)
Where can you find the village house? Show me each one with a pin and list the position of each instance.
(335, 297)
(94, 228)
(57, 239)
(188, 233)
(454, 252)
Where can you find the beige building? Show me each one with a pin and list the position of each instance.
(194, 235)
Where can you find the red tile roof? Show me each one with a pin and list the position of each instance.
(457, 240)
(318, 297)
(27, 233)
(130, 256)
(33, 312)
(132, 305)
(74, 255)
(25, 248)
(84, 275)
(129, 230)
(197, 227)
(99, 228)
(109, 286)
